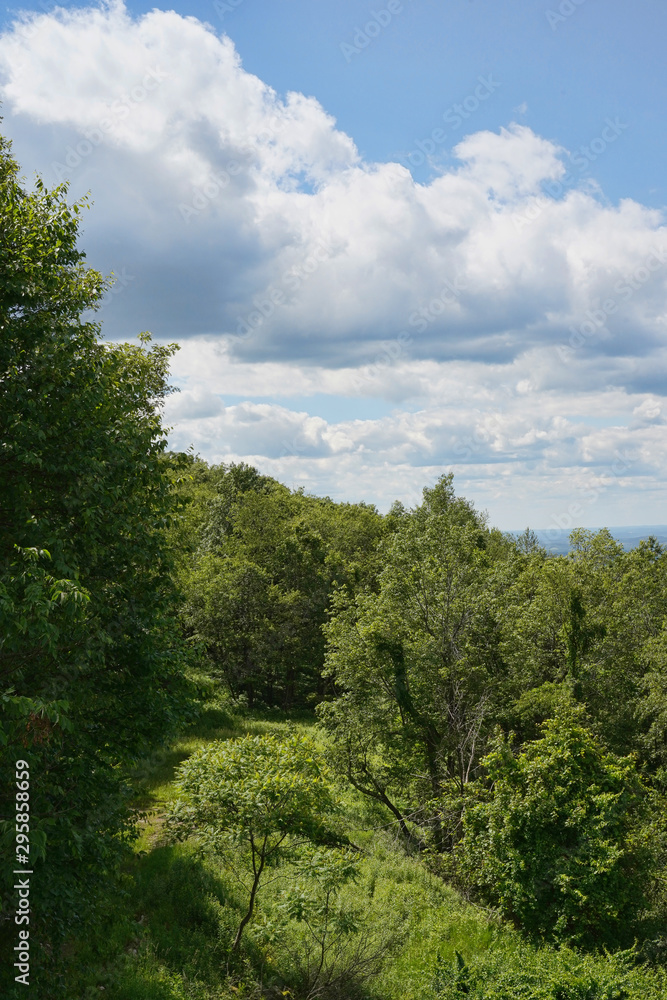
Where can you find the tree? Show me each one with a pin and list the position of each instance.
(259, 796)
(258, 578)
(415, 665)
(555, 842)
(625, 680)
(91, 659)
(553, 614)
(587, 628)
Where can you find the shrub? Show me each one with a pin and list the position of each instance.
(556, 845)
(254, 794)
(525, 973)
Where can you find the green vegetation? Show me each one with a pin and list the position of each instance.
(258, 565)
(284, 747)
(558, 845)
(91, 653)
(256, 793)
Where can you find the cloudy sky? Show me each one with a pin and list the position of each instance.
(392, 239)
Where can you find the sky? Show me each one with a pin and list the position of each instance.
(392, 239)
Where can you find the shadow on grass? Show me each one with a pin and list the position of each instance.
(214, 723)
(187, 919)
(157, 772)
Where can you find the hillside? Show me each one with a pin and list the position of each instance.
(168, 937)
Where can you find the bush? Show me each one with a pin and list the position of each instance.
(253, 795)
(330, 944)
(556, 845)
(526, 973)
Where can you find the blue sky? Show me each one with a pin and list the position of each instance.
(392, 239)
(571, 71)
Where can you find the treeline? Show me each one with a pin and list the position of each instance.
(436, 651)
(258, 565)
(92, 657)
(296, 599)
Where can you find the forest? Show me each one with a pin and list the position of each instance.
(258, 743)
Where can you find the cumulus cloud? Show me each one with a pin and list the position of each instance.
(523, 452)
(250, 216)
(514, 319)
(503, 446)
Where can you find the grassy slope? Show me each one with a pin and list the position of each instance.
(167, 936)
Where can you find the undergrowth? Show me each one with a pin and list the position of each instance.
(169, 924)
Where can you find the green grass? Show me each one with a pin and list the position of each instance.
(168, 929)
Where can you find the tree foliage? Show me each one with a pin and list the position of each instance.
(416, 664)
(91, 661)
(259, 793)
(259, 564)
(556, 844)
(468, 633)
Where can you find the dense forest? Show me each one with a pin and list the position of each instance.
(256, 743)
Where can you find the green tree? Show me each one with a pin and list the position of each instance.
(553, 615)
(588, 628)
(415, 665)
(91, 661)
(556, 842)
(651, 708)
(259, 578)
(258, 795)
(623, 684)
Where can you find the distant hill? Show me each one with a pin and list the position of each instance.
(555, 540)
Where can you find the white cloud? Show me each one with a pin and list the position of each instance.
(519, 322)
(526, 453)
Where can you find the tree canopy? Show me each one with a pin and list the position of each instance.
(91, 658)
(557, 844)
(259, 792)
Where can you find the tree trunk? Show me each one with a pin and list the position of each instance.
(251, 904)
